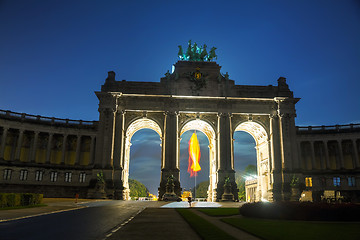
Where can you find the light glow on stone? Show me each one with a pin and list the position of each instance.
(254, 129)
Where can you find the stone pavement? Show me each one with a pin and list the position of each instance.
(156, 223)
(166, 223)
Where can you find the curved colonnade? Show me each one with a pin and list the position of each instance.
(41, 154)
(329, 159)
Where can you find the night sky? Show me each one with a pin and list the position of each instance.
(55, 54)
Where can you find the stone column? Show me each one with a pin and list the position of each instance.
(78, 150)
(327, 159)
(19, 145)
(322, 159)
(119, 139)
(3, 142)
(276, 157)
(355, 155)
(63, 151)
(177, 146)
(170, 142)
(225, 161)
(105, 138)
(48, 149)
(224, 138)
(301, 162)
(231, 143)
(313, 161)
(108, 106)
(125, 171)
(341, 159)
(118, 149)
(34, 147)
(100, 138)
(285, 141)
(92, 150)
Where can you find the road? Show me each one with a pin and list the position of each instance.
(93, 222)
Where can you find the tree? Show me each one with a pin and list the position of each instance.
(137, 189)
(250, 170)
(201, 189)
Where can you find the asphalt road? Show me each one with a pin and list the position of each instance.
(93, 222)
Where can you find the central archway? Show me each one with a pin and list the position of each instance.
(208, 130)
(261, 137)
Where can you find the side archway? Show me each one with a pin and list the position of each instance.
(142, 123)
(261, 137)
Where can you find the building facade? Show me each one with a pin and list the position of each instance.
(61, 157)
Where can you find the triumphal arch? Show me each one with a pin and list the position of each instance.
(196, 95)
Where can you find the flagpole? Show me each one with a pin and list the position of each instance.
(195, 187)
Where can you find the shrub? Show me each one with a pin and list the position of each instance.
(19, 199)
(10, 200)
(302, 211)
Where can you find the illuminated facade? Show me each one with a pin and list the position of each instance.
(62, 157)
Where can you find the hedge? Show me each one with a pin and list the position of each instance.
(19, 199)
(302, 211)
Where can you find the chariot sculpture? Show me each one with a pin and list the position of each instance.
(196, 53)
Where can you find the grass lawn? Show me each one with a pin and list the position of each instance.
(216, 212)
(21, 207)
(205, 229)
(285, 230)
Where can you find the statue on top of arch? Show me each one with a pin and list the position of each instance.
(196, 53)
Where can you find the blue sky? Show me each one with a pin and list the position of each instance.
(55, 54)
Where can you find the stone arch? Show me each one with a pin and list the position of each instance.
(141, 123)
(206, 128)
(263, 153)
(132, 128)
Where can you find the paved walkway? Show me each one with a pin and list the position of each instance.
(156, 223)
(233, 231)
